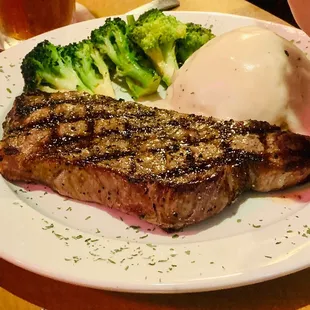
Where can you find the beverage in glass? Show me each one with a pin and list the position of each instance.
(23, 19)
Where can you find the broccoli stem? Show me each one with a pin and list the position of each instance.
(164, 60)
(171, 61)
(130, 20)
(126, 67)
(137, 73)
(70, 82)
(105, 88)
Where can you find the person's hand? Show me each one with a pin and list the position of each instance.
(301, 12)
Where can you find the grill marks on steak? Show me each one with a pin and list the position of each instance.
(172, 169)
(161, 144)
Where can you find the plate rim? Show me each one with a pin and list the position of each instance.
(246, 278)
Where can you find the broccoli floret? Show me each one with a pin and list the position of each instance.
(196, 36)
(45, 68)
(112, 40)
(156, 33)
(90, 67)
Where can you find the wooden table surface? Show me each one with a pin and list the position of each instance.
(290, 292)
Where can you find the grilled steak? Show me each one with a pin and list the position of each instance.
(171, 169)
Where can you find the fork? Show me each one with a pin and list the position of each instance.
(156, 4)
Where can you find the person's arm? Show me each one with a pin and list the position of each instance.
(301, 12)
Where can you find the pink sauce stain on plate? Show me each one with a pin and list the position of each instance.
(299, 194)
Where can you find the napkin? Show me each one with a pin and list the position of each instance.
(81, 14)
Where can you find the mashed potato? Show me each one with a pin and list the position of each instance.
(248, 73)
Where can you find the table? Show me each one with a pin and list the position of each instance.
(290, 292)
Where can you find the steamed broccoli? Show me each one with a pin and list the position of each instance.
(90, 67)
(156, 33)
(111, 40)
(45, 68)
(196, 36)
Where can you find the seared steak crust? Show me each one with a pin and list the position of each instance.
(172, 169)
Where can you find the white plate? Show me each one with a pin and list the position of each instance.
(258, 238)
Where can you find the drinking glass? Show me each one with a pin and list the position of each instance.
(23, 19)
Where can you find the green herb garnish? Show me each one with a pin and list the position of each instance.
(256, 226)
(48, 227)
(77, 237)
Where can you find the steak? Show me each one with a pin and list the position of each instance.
(168, 168)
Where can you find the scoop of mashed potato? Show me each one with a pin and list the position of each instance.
(248, 73)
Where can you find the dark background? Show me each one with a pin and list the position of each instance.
(279, 8)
